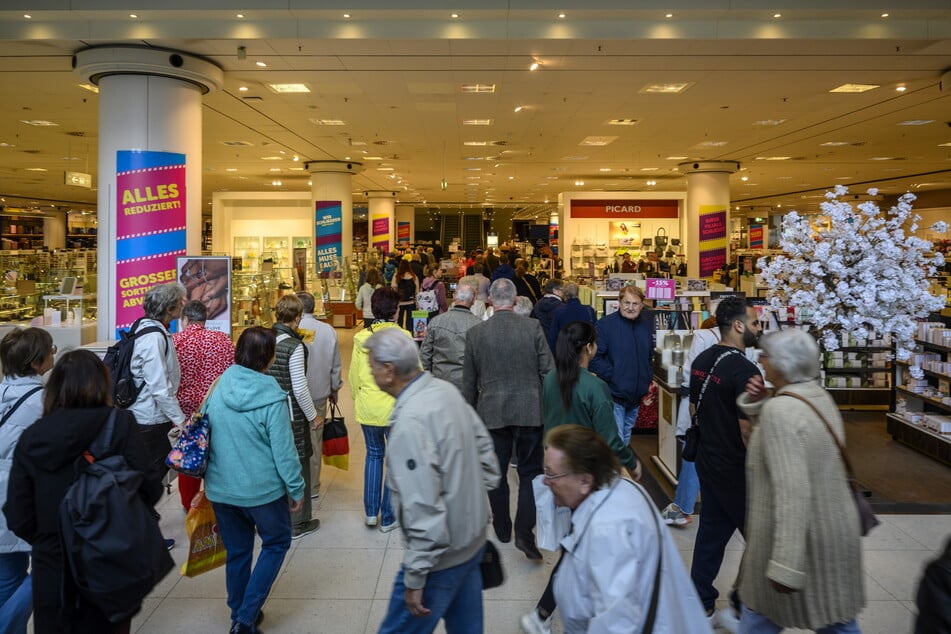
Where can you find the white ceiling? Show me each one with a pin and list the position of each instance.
(394, 76)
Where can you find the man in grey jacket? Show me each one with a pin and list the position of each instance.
(444, 347)
(506, 361)
(440, 463)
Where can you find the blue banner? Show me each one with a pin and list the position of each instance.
(329, 231)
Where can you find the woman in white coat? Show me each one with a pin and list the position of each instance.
(605, 582)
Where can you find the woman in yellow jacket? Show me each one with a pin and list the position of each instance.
(372, 408)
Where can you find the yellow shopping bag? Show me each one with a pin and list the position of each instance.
(206, 550)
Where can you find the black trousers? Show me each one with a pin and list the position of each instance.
(157, 445)
(529, 454)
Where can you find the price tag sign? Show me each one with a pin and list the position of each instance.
(660, 289)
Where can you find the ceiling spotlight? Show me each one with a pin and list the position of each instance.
(534, 66)
(27, 16)
(454, 15)
(884, 15)
(901, 88)
(561, 16)
(261, 64)
(240, 16)
(346, 15)
(133, 16)
(651, 183)
(777, 15)
(276, 183)
(579, 183)
(518, 108)
(744, 178)
(669, 15)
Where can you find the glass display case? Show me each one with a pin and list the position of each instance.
(253, 296)
(247, 249)
(276, 249)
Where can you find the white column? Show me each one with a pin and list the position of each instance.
(706, 230)
(333, 181)
(150, 100)
(407, 213)
(381, 211)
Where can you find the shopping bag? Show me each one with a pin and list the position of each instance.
(189, 454)
(336, 445)
(206, 550)
(552, 522)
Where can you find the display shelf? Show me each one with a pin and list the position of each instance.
(248, 248)
(908, 402)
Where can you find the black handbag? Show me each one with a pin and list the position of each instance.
(491, 567)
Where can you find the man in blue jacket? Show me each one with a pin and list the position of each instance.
(623, 360)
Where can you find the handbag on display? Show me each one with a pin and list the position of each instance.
(189, 454)
(336, 444)
(491, 567)
(867, 518)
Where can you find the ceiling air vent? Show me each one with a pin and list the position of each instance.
(499, 143)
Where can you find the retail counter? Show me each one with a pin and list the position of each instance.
(64, 337)
(668, 448)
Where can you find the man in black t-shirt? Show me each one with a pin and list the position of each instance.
(721, 459)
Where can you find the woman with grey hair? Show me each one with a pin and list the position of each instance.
(155, 367)
(803, 562)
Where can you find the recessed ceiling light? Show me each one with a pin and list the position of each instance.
(243, 88)
(834, 143)
(518, 108)
(621, 122)
(649, 169)
(385, 169)
(901, 88)
(855, 88)
(334, 122)
(884, 15)
(744, 178)
(275, 169)
(651, 183)
(843, 178)
(261, 64)
(240, 16)
(561, 16)
(5, 144)
(917, 122)
(712, 143)
(477, 122)
(602, 169)
(288, 88)
(454, 15)
(372, 158)
(276, 183)
(39, 123)
(534, 66)
(669, 15)
(669, 88)
(766, 122)
(598, 141)
(272, 158)
(27, 16)
(477, 88)
(883, 158)
(944, 145)
(133, 16)
(472, 169)
(676, 158)
(36, 169)
(231, 169)
(477, 143)
(346, 15)
(773, 158)
(777, 15)
(574, 158)
(90, 87)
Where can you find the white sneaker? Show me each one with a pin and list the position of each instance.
(725, 619)
(371, 520)
(533, 624)
(386, 528)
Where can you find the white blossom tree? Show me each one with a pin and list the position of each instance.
(861, 274)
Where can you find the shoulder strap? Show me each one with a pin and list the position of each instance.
(707, 381)
(19, 402)
(845, 456)
(655, 594)
(145, 331)
(201, 406)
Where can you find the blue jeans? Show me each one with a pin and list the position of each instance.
(16, 593)
(453, 594)
(374, 501)
(247, 588)
(688, 486)
(752, 622)
(625, 417)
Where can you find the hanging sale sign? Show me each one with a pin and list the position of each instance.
(712, 232)
(329, 231)
(150, 226)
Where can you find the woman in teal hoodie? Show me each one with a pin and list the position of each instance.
(254, 476)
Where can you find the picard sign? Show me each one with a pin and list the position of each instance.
(625, 208)
(78, 179)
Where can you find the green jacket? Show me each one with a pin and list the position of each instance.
(591, 406)
(371, 405)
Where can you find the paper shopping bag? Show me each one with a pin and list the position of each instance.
(206, 550)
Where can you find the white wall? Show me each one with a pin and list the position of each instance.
(259, 214)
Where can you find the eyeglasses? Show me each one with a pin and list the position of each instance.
(549, 477)
(54, 349)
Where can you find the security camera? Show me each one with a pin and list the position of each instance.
(349, 166)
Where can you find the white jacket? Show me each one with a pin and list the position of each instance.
(11, 389)
(156, 366)
(606, 577)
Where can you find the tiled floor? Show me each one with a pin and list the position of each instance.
(338, 580)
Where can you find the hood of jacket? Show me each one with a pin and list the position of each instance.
(75, 429)
(243, 389)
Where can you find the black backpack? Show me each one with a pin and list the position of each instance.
(118, 359)
(110, 534)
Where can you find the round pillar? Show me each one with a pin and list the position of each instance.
(331, 191)
(382, 208)
(150, 162)
(706, 229)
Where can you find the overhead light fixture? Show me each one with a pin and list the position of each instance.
(133, 16)
(777, 15)
(855, 88)
(518, 108)
(242, 89)
(275, 169)
(475, 143)
(579, 183)
(883, 158)
(454, 16)
(276, 183)
(676, 158)
(27, 16)
(90, 87)
(330, 122)
(272, 158)
(621, 122)
(346, 16)
(834, 143)
(666, 89)
(240, 16)
(261, 64)
(477, 88)
(901, 88)
(768, 122)
(649, 169)
(917, 122)
(5, 144)
(561, 16)
(712, 143)
(477, 122)
(669, 15)
(39, 123)
(288, 88)
(939, 145)
(598, 141)
(744, 178)
(534, 66)
(231, 169)
(651, 183)
(604, 169)
(773, 158)
(884, 15)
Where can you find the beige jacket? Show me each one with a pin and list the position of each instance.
(440, 465)
(802, 528)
